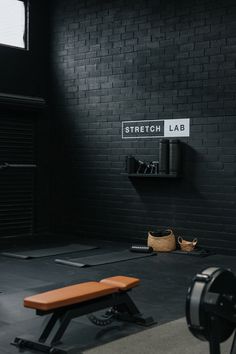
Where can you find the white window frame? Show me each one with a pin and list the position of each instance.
(26, 32)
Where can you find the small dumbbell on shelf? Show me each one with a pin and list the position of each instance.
(155, 165)
(142, 166)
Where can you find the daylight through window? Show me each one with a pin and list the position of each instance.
(12, 23)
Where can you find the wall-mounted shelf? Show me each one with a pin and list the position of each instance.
(149, 175)
(167, 166)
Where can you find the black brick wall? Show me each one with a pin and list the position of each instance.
(137, 60)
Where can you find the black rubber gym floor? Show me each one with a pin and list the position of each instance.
(164, 282)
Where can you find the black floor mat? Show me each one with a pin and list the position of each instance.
(105, 258)
(45, 252)
(201, 252)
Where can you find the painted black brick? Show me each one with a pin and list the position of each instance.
(138, 60)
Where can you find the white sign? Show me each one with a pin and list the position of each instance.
(169, 128)
(176, 128)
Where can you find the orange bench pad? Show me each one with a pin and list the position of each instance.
(69, 295)
(122, 282)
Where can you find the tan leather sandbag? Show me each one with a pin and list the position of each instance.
(159, 243)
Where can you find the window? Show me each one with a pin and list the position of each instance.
(13, 23)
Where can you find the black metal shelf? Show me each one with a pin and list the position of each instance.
(151, 175)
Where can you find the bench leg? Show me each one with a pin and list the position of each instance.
(47, 330)
(126, 310)
(130, 305)
(64, 322)
(23, 343)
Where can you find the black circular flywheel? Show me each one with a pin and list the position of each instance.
(213, 281)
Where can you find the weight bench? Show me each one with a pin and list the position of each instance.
(81, 299)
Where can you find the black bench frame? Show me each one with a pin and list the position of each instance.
(125, 310)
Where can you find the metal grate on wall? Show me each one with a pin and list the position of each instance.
(18, 164)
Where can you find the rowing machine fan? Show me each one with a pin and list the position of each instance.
(208, 286)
